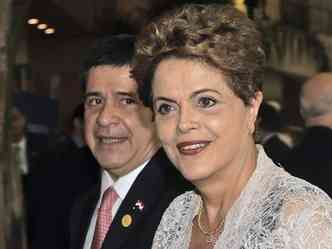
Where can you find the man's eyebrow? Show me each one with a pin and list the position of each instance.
(130, 94)
(89, 94)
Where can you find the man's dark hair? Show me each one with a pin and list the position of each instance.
(116, 50)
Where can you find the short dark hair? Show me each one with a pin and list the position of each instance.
(115, 50)
(215, 34)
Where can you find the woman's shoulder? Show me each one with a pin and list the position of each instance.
(291, 187)
(287, 209)
(301, 200)
(306, 211)
(279, 184)
(287, 189)
(181, 206)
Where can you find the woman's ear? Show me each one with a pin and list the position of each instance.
(255, 103)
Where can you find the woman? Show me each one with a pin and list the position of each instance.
(200, 68)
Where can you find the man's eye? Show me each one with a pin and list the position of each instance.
(206, 102)
(93, 101)
(128, 101)
(164, 109)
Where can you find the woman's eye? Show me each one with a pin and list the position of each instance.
(164, 109)
(206, 102)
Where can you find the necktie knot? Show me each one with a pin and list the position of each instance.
(109, 198)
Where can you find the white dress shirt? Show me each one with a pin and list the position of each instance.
(22, 159)
(121, 186)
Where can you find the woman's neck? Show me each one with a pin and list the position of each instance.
(221, 190)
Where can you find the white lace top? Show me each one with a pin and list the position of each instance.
(274, 211)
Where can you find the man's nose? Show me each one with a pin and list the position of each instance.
(108, 115)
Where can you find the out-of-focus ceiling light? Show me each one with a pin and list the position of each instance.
(49, 31)
(42, 26)
(33, 21)
(240, 5)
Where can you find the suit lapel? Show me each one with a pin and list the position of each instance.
(146, 190)
(84, 218)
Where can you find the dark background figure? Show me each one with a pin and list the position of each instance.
(269, 133)
(311, 159)
(22, 145)
(61, 174)
(41, 120)
(19, 140)
(72, 137)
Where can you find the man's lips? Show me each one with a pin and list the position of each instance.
(192, 147)
(111, 139)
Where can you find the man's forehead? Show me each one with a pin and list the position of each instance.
(118, 85)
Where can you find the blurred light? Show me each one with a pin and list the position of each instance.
(42, 26)
(49, 31)
(33, 21)
(240, 5)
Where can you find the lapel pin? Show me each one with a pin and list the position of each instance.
(126, 220)
(139, 204)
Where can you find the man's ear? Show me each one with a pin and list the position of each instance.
(255, 103)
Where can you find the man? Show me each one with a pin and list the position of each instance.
(269, 131)
(19, 141)
(312, 159)
(72, 138)
(119, 131)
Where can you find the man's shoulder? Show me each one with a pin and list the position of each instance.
(161, 167)
(317, 134)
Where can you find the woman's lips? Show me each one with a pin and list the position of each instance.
(192, 147)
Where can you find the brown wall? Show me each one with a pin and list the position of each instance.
(61, 57)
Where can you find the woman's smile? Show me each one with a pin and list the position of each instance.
(190, 148)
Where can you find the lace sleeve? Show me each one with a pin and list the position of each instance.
(317, 229)
(171, 232)
(311, 218)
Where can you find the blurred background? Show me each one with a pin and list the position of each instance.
(56, 34)
(43, 43)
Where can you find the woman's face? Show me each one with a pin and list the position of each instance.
(203, 126)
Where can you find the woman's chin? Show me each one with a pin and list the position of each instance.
(194, 176)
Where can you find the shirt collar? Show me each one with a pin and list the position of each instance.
(123, 183)
(21, 144)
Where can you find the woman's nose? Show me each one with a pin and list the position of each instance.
(187, 121)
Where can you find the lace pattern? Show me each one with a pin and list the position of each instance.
(274, 211)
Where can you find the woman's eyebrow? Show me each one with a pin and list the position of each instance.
(195, 93)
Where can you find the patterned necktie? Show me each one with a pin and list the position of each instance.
(104, 218)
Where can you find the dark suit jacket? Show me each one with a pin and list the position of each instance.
(58, 179)
(276, 149)
(312, 158)
(156, 186)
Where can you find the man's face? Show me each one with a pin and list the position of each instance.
(118, 128)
